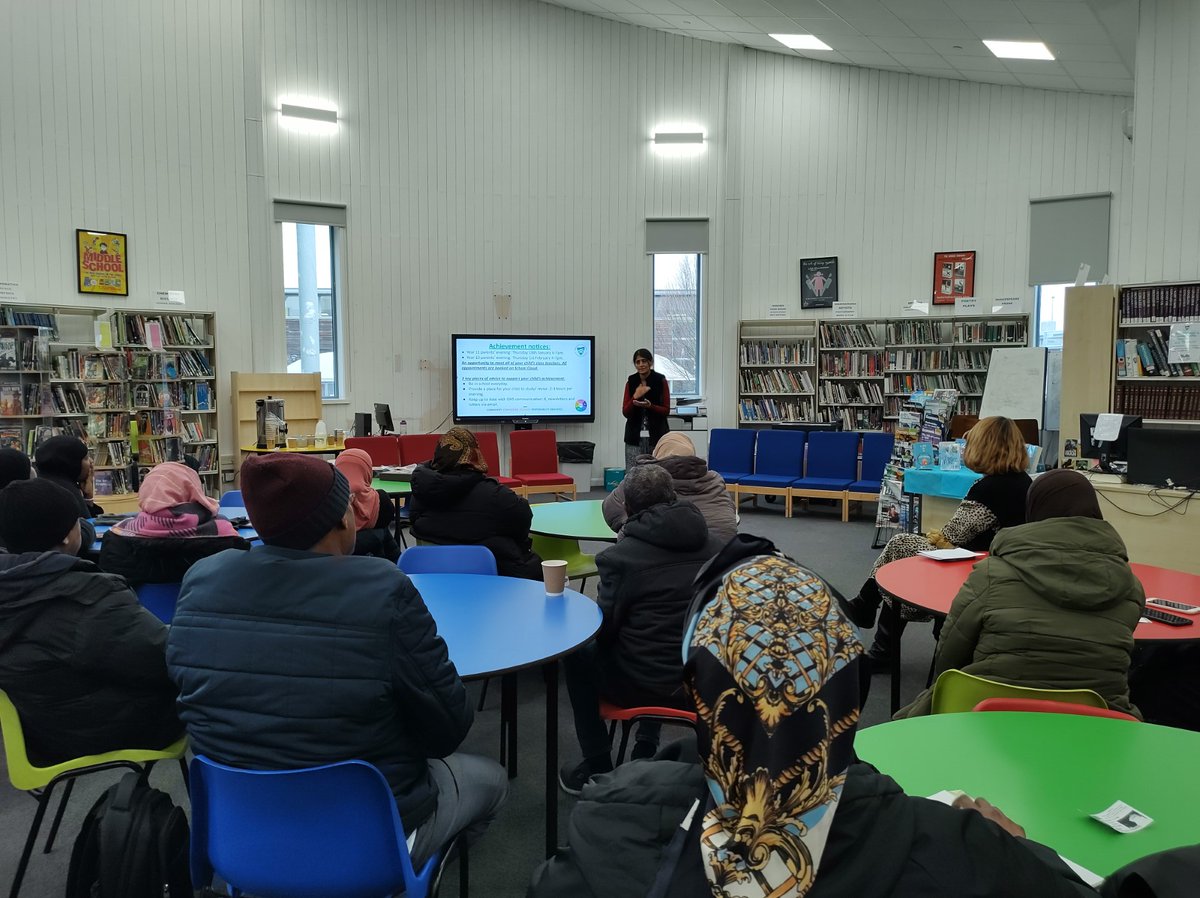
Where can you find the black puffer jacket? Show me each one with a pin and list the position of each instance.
(160, 560)
(289, 659)
(81, 659)
(645, 590)
(463, 507)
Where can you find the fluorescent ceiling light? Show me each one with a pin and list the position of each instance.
(802, 41)
(1019, 49)
(308, 112)
(307, 115)
(661, 137)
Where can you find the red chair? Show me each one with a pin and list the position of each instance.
(417, 448)
(629, 716)
(1048, 707)
(383, 450)
(534, 457)
(489, 445)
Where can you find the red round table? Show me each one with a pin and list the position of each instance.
(932, 585)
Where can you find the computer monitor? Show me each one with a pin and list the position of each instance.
(383, 417)
(1165, 457)
(1107, 451)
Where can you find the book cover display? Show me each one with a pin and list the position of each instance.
(818, 282)
(953, 276)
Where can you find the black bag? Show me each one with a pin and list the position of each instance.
(133, 844)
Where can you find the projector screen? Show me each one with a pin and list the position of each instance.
(511, 378)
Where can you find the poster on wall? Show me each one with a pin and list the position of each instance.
(953, 276)
(818, 283)
(102, 258)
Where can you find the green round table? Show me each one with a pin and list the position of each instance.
(582, 519)
(1049, 772)
(392, 487)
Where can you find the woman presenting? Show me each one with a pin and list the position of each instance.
(645, 407)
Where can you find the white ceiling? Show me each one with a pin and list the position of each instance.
(1093, 40)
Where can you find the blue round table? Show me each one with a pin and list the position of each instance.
(500, 625)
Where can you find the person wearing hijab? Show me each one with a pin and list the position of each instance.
(176, 525)
(454, 502)
(64, 460)
(373, 509)
(694, 482)
(1053, 606)
(785, 811)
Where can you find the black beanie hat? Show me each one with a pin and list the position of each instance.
(293, 500)
(14, 465)
(60, 456)
(35, 515)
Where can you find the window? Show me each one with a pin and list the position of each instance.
(311, 262)
(677, 279)
(1050, 299)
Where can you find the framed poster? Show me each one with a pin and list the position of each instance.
(818, 283)
(102, 258)
(953, 276)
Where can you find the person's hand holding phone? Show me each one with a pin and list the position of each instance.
(641, 391)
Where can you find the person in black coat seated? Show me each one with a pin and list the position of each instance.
(645, 405)
(64, 460)
(299, 653)
(81, 660)
(454, 502)
(645, 588)
(14, 465)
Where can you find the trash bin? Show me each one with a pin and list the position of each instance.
(575, 460)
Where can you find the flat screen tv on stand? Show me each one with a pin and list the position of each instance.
(383, 417)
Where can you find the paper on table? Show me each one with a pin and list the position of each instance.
(1123, 818)
(950, 554)
(947, 796)
(1107, 429)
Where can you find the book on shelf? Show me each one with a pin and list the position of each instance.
(777, 352)
(776, 380)
(847, 336)
(849, 363)
(1150, 357)
(8, 353)
(990, 332)
(15, 318)
(1159, 303)
(102, 483)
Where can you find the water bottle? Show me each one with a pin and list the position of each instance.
(321, 435)
(403, 427)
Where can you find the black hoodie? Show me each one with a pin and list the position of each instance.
(463, 507)
(82, 661)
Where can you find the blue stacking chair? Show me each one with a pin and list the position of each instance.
(731, 453)
(321, 832)
(778, 462)
(159, 599)
(832, 466)
(876, 450)
(447, 560)
(232, 499)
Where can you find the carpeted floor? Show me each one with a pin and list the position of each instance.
(503, 861)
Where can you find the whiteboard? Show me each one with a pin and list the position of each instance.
(1016, 384)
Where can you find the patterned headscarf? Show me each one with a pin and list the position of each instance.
(458, 446)
(172, 503)
(772, 667)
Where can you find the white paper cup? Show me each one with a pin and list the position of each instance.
(554, 575)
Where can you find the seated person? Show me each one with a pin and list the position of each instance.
(995, 449)
(693, 482)
(1053, 606)
(14, 465)
(64, 460)
(645, 589)
(82, 661)
(454, 502)
(373, 509)
(175, 527)
(298, 653)
(785, 810)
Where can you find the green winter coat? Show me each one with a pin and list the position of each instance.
(1054, 607)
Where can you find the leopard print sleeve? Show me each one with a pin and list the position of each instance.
(969, 521)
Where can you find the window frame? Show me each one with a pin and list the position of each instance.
(337, 303)
(699, 316)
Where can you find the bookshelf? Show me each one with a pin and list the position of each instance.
(1146, 382)
(777, 367)
(851, 373)
(865, 369)
(157, 369)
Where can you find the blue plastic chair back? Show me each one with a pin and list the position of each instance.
(447, 560)
(159, 599)
(780, 452)
(877, 449)
(232, 499)
(731, 450)
(321, 832)
(833, 455)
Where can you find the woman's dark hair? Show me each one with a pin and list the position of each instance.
(643, 354)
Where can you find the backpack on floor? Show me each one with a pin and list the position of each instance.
(133, 844)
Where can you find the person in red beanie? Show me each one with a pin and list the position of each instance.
(299, 653)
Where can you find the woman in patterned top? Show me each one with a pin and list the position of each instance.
(995, 449)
